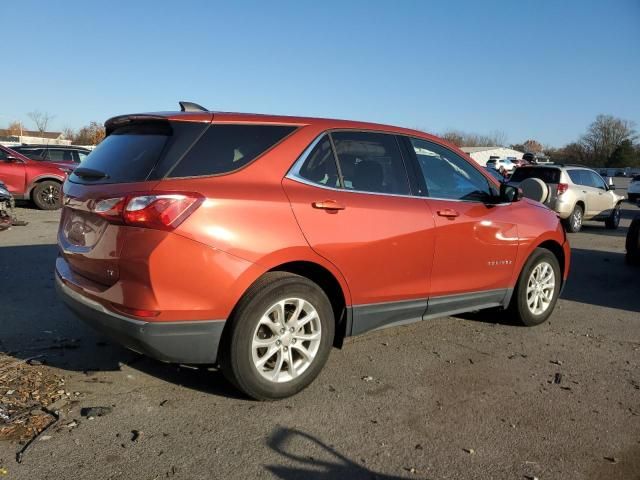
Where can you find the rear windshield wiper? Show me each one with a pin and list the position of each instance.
(90, 173)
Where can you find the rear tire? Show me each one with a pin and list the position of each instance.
(573, 224)
(292, 317)
(47, 195)
(537, 290)
(632, 243)
(614, 219)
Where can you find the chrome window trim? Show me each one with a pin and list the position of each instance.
(294, 174)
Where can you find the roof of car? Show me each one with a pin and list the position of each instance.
(258, 118)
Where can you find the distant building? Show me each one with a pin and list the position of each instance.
(30, 136)
(483, 154)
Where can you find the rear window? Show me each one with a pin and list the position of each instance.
(225, 148)
(547, 175)
(139, 152)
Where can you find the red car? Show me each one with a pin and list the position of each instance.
(257, 242)
(33, 180)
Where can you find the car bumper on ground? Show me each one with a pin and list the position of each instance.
(191, 342)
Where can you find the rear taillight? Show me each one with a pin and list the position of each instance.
(161, 211)
(562, 187)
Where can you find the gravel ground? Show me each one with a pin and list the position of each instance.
(455, 398)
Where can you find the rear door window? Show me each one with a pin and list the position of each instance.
(225, 148)
(371, 162)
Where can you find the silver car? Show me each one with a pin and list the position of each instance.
(575, 193)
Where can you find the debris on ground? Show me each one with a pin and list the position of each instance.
(557, 378)
(27, 388)
(95, 411)
(367, 378)
(136, 435)
(611, 459)
(470, 451)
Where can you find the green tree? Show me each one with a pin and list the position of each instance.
(623, 156)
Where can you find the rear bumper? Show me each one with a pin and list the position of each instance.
(193, 342)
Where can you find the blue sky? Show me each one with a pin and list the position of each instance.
(531, 69)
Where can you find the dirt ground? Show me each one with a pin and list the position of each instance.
(454, 398)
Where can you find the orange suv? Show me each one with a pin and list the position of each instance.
(259, 242)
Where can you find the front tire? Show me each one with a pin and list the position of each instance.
(47, 195)
(573, 224)
(280, 337)
(614, 219)
(537, 290)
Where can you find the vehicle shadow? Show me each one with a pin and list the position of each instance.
(614, 286)
(304, 450)
(35, 324)
(596, 278)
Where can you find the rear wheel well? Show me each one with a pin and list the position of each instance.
(580, 203)
(40, 180)
(556, 249)
(331, 287)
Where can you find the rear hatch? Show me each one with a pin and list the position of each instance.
(137, 152)
(549, 175)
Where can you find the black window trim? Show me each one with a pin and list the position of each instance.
(295, 128)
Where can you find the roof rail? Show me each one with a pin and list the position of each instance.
(191, 107)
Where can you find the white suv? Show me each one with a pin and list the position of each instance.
(501, 164)
(633, 192)
(575, 193)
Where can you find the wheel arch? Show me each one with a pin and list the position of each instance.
(41, 179)
(557, 250)
(331, 286)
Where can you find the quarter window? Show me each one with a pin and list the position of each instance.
(225, 148)
(448, 175)
(371, 162)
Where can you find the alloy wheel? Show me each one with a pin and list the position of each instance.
(286, 340)
(540, 288)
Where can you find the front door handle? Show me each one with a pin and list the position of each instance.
(448, 212)
(330, 205)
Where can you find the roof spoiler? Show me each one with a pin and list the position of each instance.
(191, 107)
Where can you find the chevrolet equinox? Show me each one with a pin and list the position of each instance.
(258, 242)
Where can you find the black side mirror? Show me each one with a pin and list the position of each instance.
(509, 193)
(610, 184)
(10, 159)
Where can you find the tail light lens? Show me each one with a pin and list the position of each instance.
(562, 187)
(160, 211)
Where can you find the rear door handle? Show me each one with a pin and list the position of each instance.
(328, 205)
(448, 212)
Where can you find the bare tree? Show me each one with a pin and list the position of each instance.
(465, 139)
(41, 119)
(69, 133)
(604, 135)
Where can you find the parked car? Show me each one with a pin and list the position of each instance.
(28, 179)
(632, 243)
(633, 191)
(502, 165)
(257, 242)
(67, 154)
(495, 174)
(520, 162)
(575, 193)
